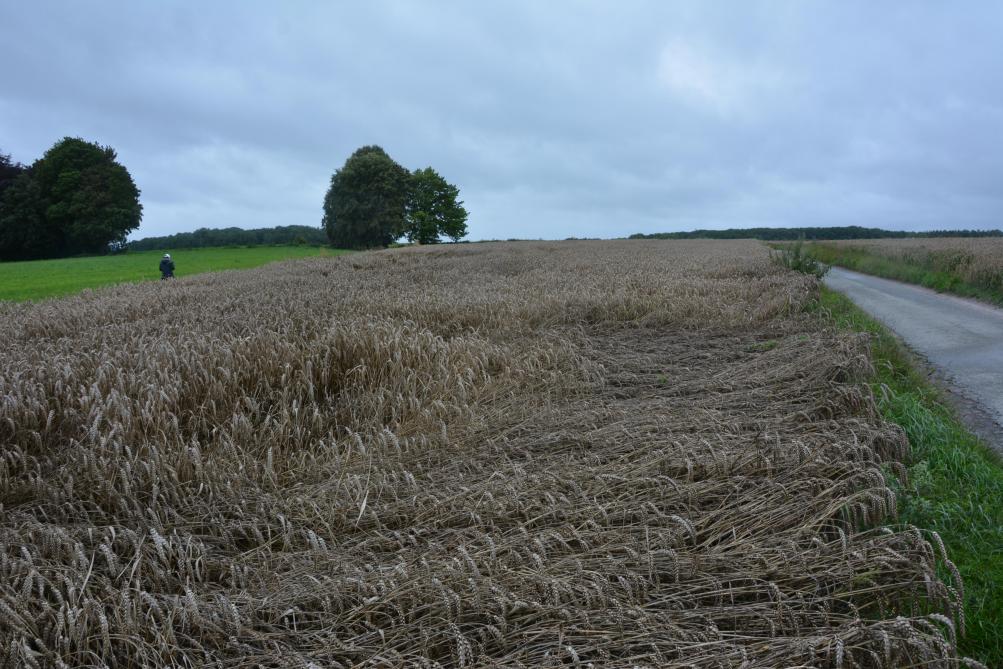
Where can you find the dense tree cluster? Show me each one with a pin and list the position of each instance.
(791, 234)
(373, 201)
(208, 237)
(75, 199)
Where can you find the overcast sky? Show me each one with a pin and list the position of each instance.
(554, 118)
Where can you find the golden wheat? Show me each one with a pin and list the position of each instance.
(538, 454)
(977, 261)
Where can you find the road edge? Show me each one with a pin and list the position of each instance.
(955, 479)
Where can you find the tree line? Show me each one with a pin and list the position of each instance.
(811, 234)
(208, 237)
(78, 199)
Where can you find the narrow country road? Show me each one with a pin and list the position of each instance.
(962, 339)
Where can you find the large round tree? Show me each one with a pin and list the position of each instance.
(75, 199)
(87, 196)
(365, 205)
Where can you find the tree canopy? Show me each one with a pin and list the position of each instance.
(23, 233)
(433, 209)
(77, 198)
(365, 204)
(373, 201)
(9, 171)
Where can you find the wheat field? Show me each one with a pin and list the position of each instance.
(975, 260)
(575, 454)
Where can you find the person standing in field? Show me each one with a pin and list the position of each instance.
(166, 267)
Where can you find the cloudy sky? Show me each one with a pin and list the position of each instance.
(555, 118)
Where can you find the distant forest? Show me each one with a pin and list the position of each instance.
(203, 237)
(844, 232)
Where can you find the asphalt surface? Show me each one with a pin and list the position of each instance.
(961, 339)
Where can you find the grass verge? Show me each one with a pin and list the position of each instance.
(39, 279)
(955, 483)
(860, 260)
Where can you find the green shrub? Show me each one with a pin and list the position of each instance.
(796, 257)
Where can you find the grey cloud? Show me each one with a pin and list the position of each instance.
(555, 119)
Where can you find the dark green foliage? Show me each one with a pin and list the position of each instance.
(373, 201)
(207, 237)
(15, 206)
(9, 171)
(365, 205)
(24, 232)
(75, 199)
(87, 194)
(792, 234)
(433, 209)
(937, 270)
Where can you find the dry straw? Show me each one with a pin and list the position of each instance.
(577, 454)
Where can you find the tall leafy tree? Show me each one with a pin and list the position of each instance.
(77, 198)
(88, 195)
(433, 209)
(365, 204)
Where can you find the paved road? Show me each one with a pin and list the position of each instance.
(962, 339)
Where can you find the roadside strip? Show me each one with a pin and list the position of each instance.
(955, 484)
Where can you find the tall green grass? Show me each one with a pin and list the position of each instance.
(38, 279)
(955, 484)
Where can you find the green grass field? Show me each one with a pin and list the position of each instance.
(39, 279)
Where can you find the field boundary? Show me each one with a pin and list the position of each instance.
(860, 260)
(953, 475)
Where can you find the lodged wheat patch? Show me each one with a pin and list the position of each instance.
(581, 454)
